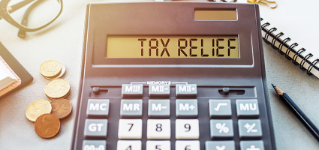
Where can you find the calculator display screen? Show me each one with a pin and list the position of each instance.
(172, 47)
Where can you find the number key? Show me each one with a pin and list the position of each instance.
(158, 129)
(158, 145)
(187, 129)
(187, 145)
(129, 145)
(130, 129)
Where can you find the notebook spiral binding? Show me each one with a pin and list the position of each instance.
(290, 48)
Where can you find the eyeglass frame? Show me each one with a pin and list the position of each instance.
(5, 14)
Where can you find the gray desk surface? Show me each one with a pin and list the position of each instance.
(62, 41)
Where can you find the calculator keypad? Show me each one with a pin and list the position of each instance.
(220, 108)
(249, 128)
(130, 129)
(131, 108)
(159, 129)
(247, 108)
(94, 144)
(158, 145)
(159, 108)
(187, 129)
(95, 128)
(129, 145)
(187, 125)
(187, 145)
(220, 145)
(252, 145)
(186, 108)
(98, 108)
(221, 128)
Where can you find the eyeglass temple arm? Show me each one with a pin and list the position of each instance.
(19, 5)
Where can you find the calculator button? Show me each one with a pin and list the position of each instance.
(94, 145)
(131, 108)
(220, 108)
(187, 129)
(251, 145)
(247, 108)
(249, 128)
(187, 145)
(221, 128)
(130, 129)
(186, 108)
(98, 108)
(158, 145)
(159, 108)
(220, 145)
(158, 129)
(129, 145)
(132, 90)
(95, 128)
(159, 90)
(186, 90)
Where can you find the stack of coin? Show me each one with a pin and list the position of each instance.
(46, 116)
(52, 69)
(57, 88)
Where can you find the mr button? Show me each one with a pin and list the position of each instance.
(98, 108)
(186, 90)
(131, 108)
(132, 90)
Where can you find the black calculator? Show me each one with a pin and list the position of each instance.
(173, 76)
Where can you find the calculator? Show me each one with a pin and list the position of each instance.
(173, 76)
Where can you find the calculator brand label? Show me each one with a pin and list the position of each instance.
(158, 82)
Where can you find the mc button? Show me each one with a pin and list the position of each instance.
(98, 108)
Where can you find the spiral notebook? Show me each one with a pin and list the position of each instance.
(298, 56)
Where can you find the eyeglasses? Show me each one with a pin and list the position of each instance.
(38, 15)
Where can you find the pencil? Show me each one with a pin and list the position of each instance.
(297, 111)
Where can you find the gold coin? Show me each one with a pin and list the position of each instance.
(50, 69)
(47, 126)
(57, 88)
(37, 108)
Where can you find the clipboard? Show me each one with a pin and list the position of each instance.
(22, 73)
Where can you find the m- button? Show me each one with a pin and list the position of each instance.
(159, 108)
(247, 108)
(159, 90)
(186, 90)
(132, 90)
(98, 108)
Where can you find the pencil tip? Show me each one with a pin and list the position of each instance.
(273, 85)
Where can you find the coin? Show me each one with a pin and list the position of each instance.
(60, 75)
(50, 69)
(61, 108)
(47, 125)
(37, 108)
(57, 88)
